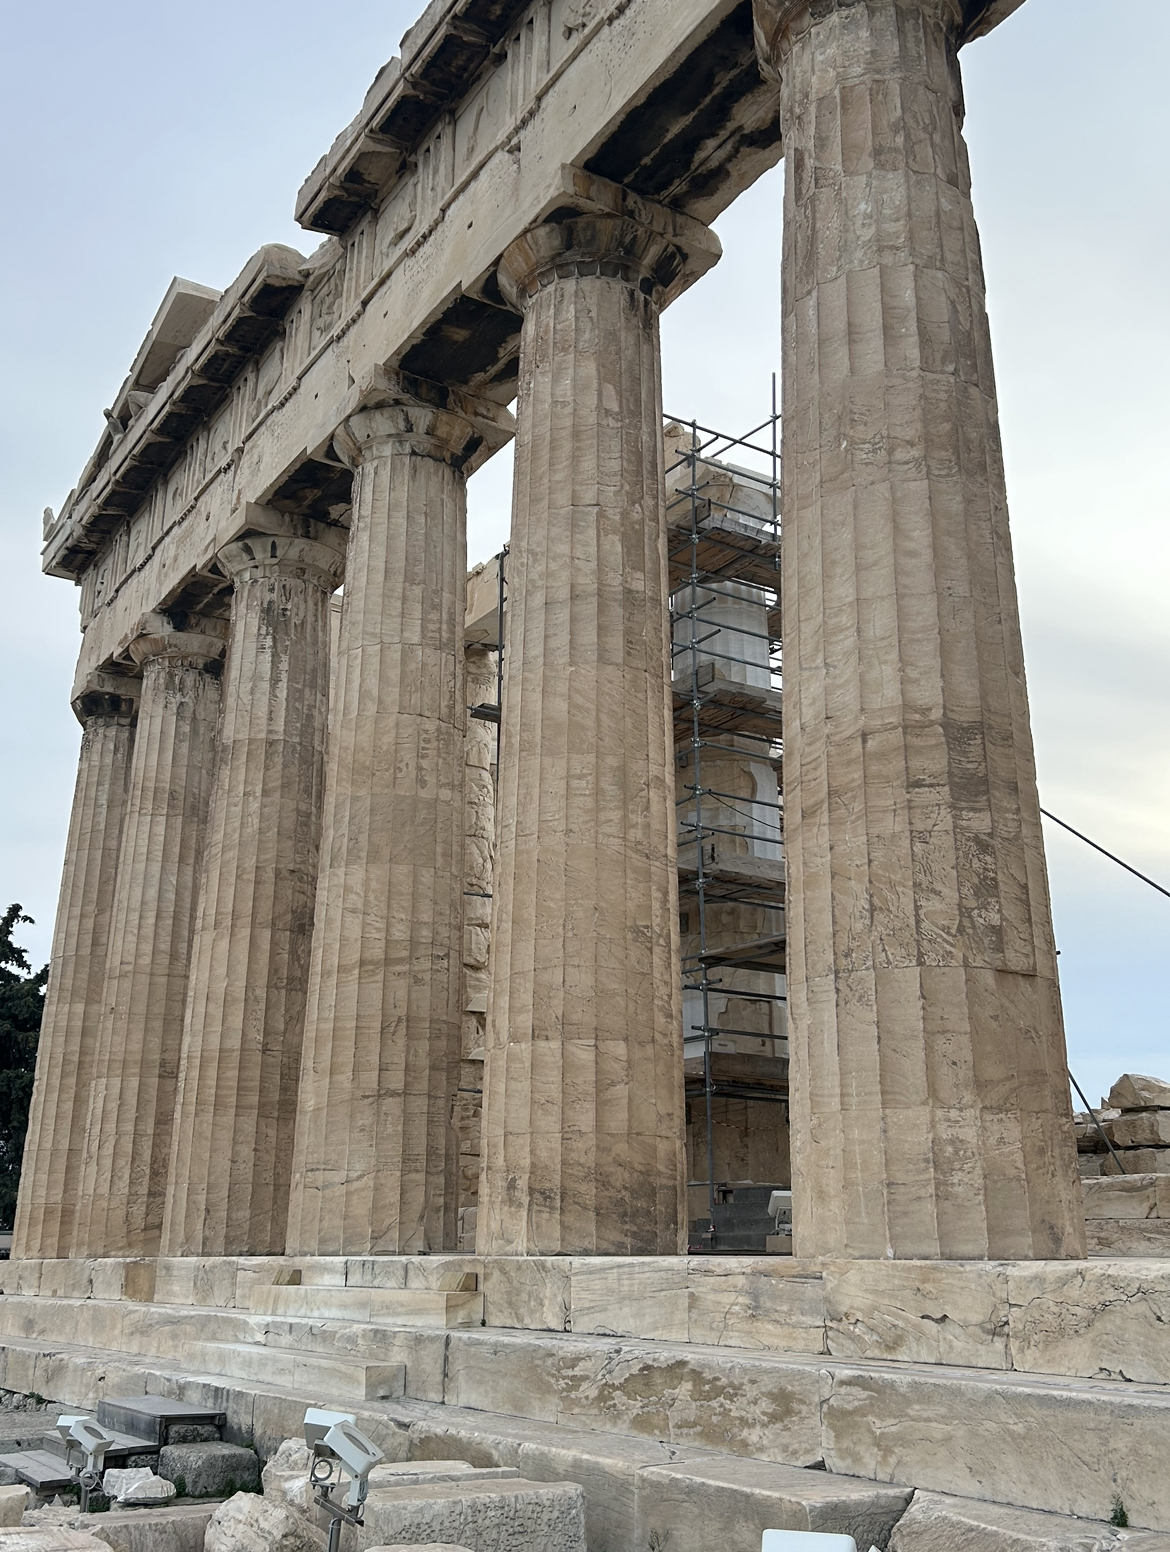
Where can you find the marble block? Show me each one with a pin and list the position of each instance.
(247, 1523)
(937, 1523)
(522, 1516)
(1127, 1196)
(13, 1503)
(49, 1538)
(1134, 1091)
(1142, 1129)
(698, 1505)
(177, 1528)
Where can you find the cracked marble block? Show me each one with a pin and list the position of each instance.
(47, 1204)
(583, 1106)
(235, 1115)
(132, 1100)
(930, 1113)
(375, 1158)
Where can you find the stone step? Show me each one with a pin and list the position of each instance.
(1060, 1445)
(1100, 1317)
(936, 1522)
(44, 1472)
(152, 1417)
(346, 1379)
(123, 1448)
(892, 1427)
(641, 1493)
(403, 1306)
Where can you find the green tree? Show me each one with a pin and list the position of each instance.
(22, 1002)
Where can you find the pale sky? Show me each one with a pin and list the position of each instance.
(143, 139)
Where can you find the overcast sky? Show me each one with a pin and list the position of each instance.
(144, 139)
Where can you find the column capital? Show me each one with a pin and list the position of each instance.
(396, 412)
(776, 21)
(198, 646)
(603, 228)
(103, 693)
(253, 556)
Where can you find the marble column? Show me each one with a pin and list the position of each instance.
(583, 1086)
(930, 1110)
(235, 1112)
(376, 1156)
(106, 709)
(131, 1114)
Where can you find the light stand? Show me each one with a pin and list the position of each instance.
(336, 1442)
(93, 1441)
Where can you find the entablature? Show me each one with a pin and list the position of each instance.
(131, 459)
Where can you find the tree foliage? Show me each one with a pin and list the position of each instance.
(22, 1002)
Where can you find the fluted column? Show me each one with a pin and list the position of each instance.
(583, 1086)
(376, 1155)
(930, 1107)
(54, 1147)
(128, 1134)
(235, 1113)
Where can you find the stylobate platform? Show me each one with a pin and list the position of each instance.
(1044, 1385)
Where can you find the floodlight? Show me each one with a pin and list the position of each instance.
(87, 1434)
(318, 1422)
(336, 1440)
(357, 1454)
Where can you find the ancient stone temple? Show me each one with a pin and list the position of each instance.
(404, 930)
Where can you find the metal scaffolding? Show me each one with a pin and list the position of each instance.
(723, 524)
(723, 547)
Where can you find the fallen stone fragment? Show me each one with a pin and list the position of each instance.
(249, 1523)
(13, 1503)
(521, 1516)
(212, 1470)
(48, 1538)
(286, 1477)
(118, 1481)
(936, 1522)
(148, 1494)
(1134, 1091)
(176, 1528)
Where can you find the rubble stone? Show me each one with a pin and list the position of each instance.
(521, 1516)
(176, 1528)
(248, 1523)
(210, 1470)
(1142, 1129)
(13, 1503)
(1135, 1091)
(45, 1538)
(935, 1522)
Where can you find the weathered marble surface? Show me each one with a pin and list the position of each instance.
(66, 1055)
(930, 1112)
(511, 1516)
(939, 1523)
(582, 1133)
(1134, 1091)
(1127, 1196)
(128, 1129)
(698, 1505)
(375, 1165)
(249, 1523)
(235, 1108)
(997, 1437)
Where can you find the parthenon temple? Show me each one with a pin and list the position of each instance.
(609, 992)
